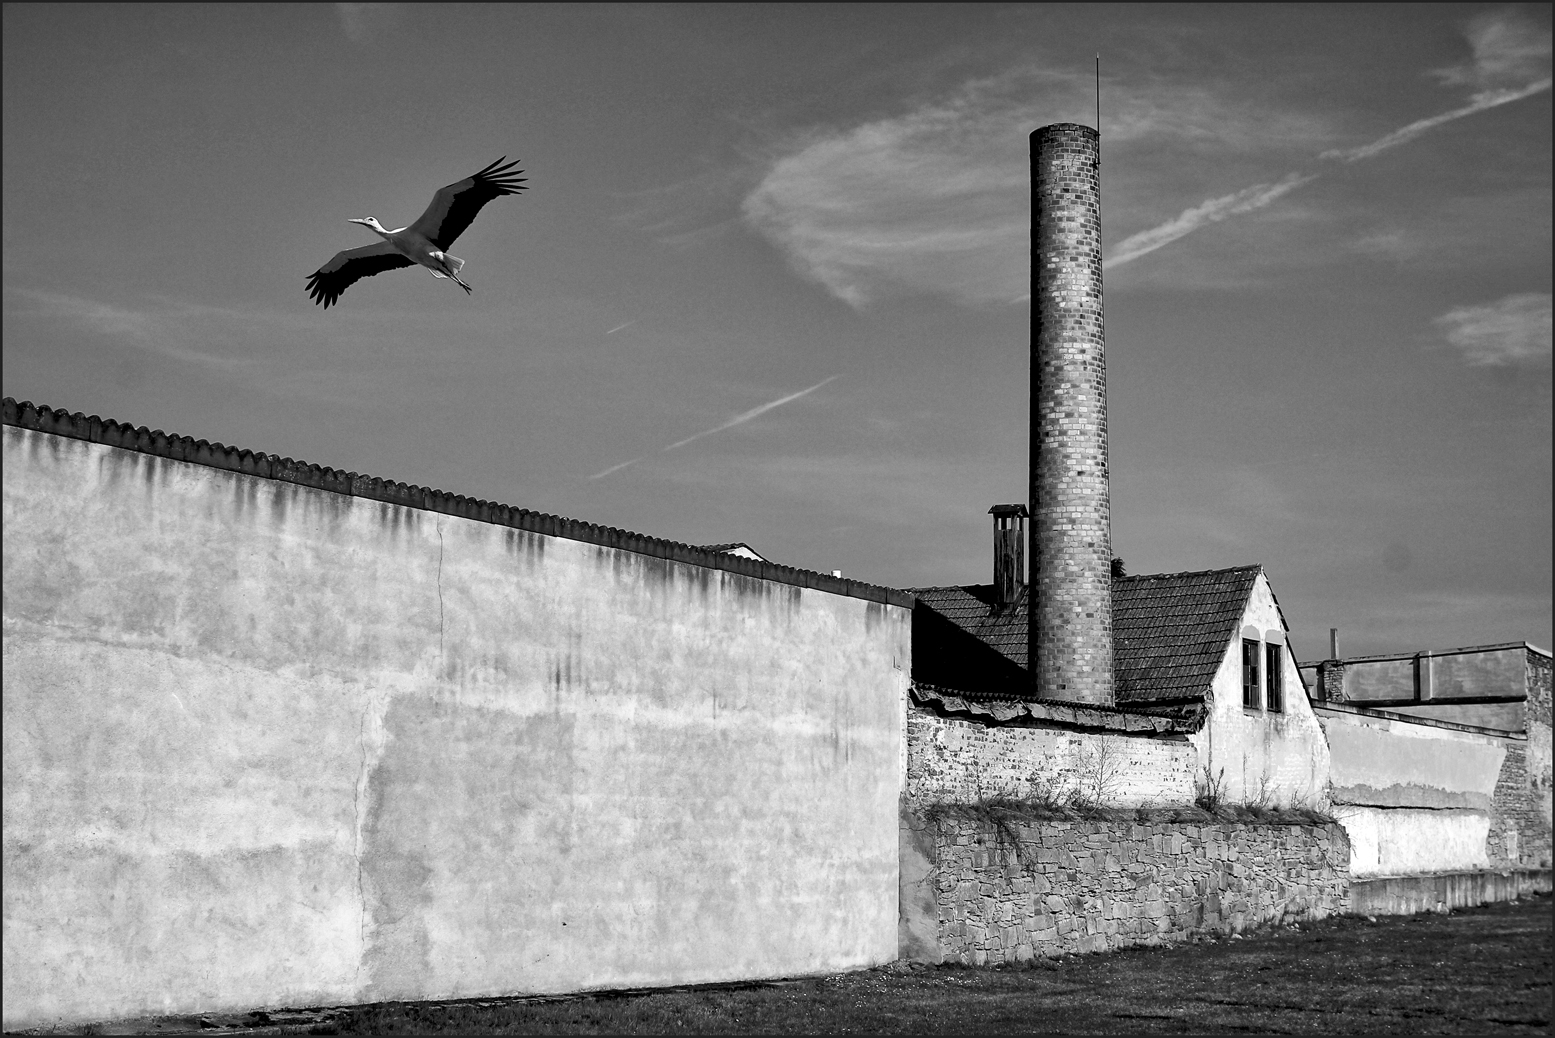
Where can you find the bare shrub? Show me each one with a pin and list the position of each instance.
(1209, 788)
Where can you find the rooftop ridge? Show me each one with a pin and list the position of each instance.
(1250, 567)
(1362, 710)
(1461, 650)
(155, 442)
(998, 709)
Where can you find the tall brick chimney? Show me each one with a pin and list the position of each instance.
(1071, 515)
(1009, 553)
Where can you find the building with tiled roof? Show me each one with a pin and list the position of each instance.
(1169, 631)
(1208, 649)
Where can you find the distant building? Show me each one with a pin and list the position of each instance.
(740, 548)
(1441, 759)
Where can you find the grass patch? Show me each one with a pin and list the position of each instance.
(1482, 971)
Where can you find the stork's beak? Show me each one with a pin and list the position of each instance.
(364, 223)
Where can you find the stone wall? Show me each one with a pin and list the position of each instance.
(981, 891)
(1519, 835)
(1537, 719)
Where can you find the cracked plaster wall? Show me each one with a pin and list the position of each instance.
(266, 745)
(1416, 798)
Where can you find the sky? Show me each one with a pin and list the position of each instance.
(770, 280)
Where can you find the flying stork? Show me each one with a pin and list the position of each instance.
(425, 242)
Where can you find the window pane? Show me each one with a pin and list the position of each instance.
(1250, 654)
(1274, 683)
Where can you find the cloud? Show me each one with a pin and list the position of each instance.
(938, 199)
(692, 210)
(1511, 61)
(359, 21)
(1507, 49)
(1212, 211)
(739, 419)
(1481, 102)
(896, 201)
(1512, 330)
(1503, 46)
(151, 330)
(271, 351)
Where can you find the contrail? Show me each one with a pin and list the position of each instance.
(614, 468)
(738, 419)
(741, 419)
(1488, 99)
(1190, 220)
(618, 327)
(1260, 195)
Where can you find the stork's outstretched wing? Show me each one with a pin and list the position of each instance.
(454, 207)
(350, 266)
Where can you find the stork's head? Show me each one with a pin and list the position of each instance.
(370, 222)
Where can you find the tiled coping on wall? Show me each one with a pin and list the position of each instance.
(978, 891)
(78, 426)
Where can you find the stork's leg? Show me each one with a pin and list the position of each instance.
(467, 290)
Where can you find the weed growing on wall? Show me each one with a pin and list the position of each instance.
(1266, 795)
(1087, 776)
(1209, 788)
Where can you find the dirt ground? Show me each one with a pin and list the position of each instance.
(1480, 971)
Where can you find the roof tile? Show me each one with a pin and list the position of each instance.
(26, 415)
(1169, 630)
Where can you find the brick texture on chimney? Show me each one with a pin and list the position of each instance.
(1071, 518)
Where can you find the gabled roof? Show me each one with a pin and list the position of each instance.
(1169, 630)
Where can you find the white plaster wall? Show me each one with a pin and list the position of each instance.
(1411, 841)
(1386, 763)
(951, 760)
(1281, 758)
(267, 745)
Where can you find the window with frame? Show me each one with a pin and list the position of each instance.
(1250, 660)
(1274, 677)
